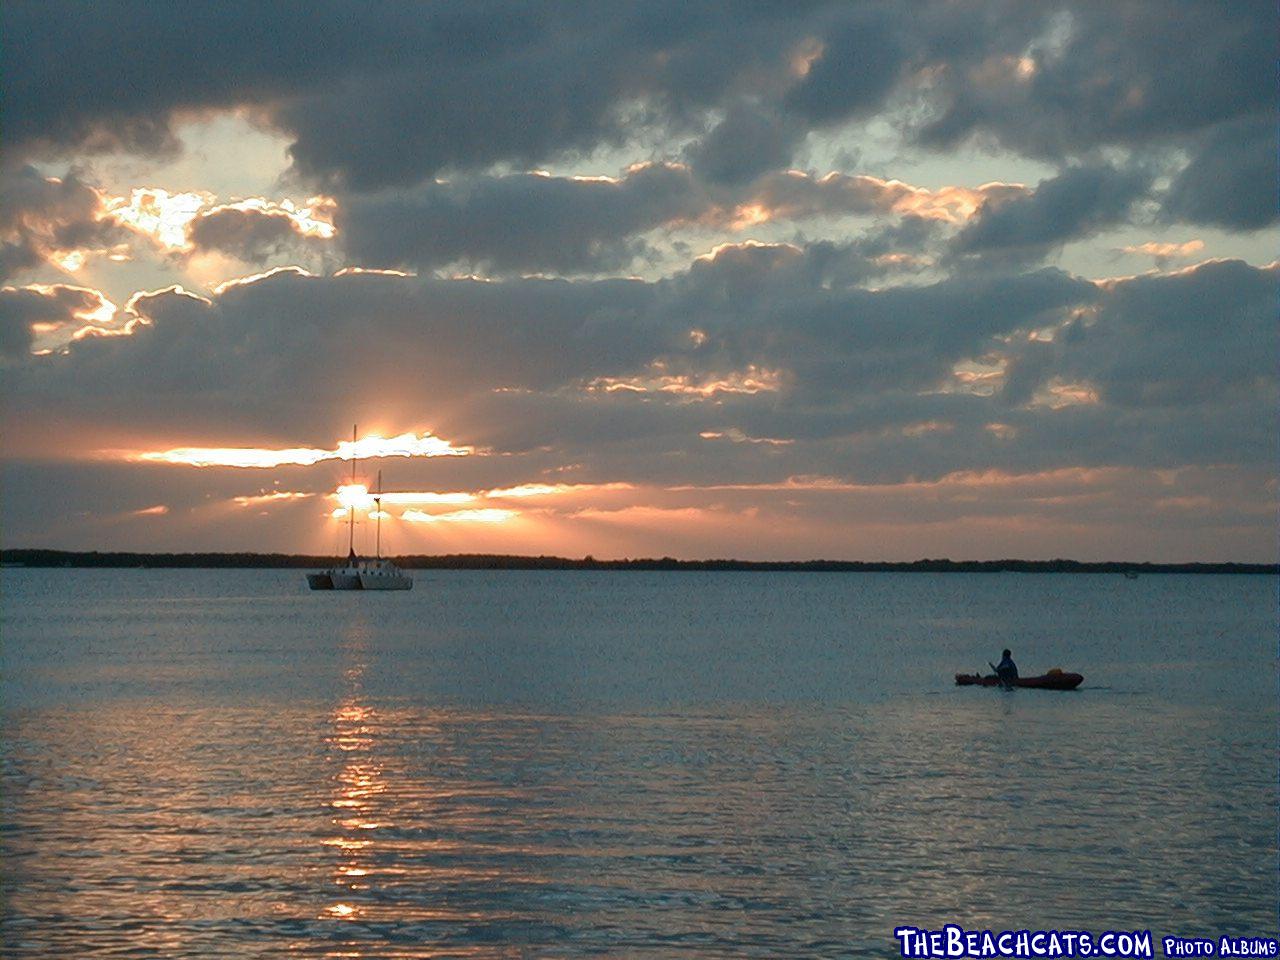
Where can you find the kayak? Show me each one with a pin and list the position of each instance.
(1053, 680)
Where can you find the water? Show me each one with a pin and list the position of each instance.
(222, 764)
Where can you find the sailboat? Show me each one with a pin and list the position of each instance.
(378, 573)
(357, 573)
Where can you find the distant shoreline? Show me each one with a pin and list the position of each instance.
(217, 561)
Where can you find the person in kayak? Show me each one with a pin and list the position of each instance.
(1007, 670)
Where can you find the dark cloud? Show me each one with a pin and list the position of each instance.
(55, 306)
(533, 222)
(894, 249)
(751, 140)
(522, 222)
(1195, 338)
(41, 216)
(15, 323)
(795, 195)
(89, 77)
(386, 94)
(1149, 76)
(391, 94)
(527, 363)
(250, 233)
(1072, 205)
(664, 384)
(861, 57)
(1068, 79)
(550, 80)
(1232, 179)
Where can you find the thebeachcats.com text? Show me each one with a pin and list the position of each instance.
(953, 942)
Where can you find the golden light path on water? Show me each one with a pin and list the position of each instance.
(399, 829)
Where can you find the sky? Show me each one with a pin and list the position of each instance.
(761, 280)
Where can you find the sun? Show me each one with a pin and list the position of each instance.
(354, 496)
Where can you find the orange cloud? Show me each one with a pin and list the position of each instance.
(734, 435)
(1058, 394)
(357, 496)
(159, 214)
(262, 499)
(926, 427)
(312, 219)
(550, 489)
(66, 312)
(795, 195)
(403, 497)
(750, 380)
(405, 445)
(1163, 252)
(486, 515)
(167, 217)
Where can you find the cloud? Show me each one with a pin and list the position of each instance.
(800, 334)
(861, 57)
(1231, 179)
(1066, 80)
(1077, 202)
(254, 230)
(1153, 371)
(158, 214)
(734, 435)
(406, 92)
(535, 222)
(41, 309)
(520, 222)
(1176, 366)
(272, 498)
(367, 447)
(764, 320)
(705, 386)
(751, 140)
(493, 85)
(1165, 252)
(411, 92)
(796, 195)
(47, 219)
(482, 515)
(1202, 336)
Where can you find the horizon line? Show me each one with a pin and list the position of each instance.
(46, 557)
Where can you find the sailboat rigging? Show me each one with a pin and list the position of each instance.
(357, 573)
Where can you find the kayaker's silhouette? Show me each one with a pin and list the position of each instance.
(1007, 670)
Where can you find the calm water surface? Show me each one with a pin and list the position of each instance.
(222, 764)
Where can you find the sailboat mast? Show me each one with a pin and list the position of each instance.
(351, 511)
(377, 509)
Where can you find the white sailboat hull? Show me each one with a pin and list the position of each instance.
(382, 574)
(362, 575)
(345, 579)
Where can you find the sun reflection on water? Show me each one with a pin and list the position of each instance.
(360, 781)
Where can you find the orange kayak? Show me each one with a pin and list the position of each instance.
(1053, 680)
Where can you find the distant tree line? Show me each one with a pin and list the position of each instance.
(483, 561)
